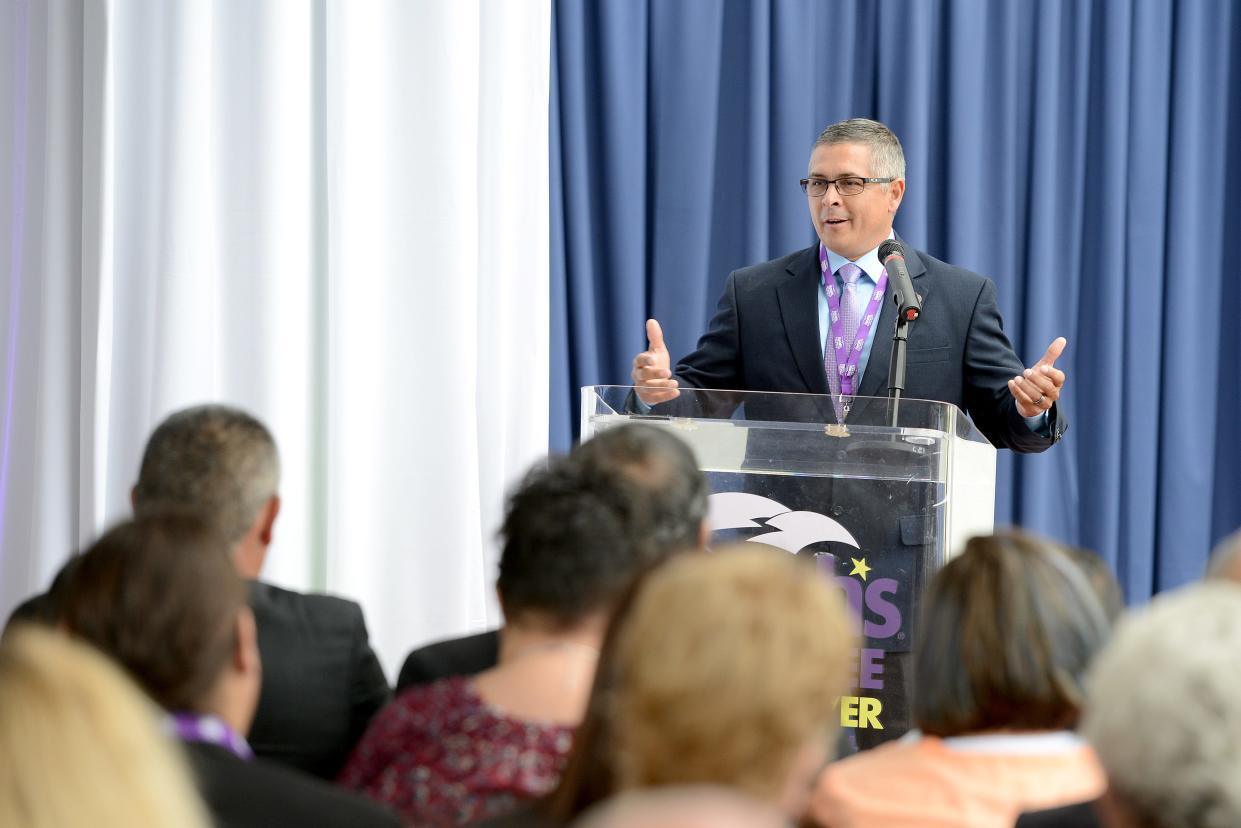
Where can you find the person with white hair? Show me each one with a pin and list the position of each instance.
(1164, 712)
(1225, 562)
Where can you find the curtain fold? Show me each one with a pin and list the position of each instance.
(1077, 153)
(331, 214)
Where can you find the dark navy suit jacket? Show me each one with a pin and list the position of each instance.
(765, 337)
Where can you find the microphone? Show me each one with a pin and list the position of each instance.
(908, 305)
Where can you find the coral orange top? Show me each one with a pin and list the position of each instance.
(981, 781)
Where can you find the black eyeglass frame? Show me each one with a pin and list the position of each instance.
(826, 182)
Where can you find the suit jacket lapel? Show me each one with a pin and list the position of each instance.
(875, 379)
(798, 296)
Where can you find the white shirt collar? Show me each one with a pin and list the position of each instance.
(869, 261)
(1036, 743)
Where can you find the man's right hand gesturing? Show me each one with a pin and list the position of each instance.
(652, 371)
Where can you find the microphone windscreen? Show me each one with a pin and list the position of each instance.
(889, 247)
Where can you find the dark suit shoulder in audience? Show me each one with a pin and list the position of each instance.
(1081, 815)
(322, 682)
(465, 656)
(258, 794)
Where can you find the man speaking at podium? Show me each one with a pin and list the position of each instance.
(820, 321)
(786, 325)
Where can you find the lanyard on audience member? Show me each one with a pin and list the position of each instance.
(211, 730)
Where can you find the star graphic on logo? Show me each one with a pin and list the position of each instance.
(859, 567)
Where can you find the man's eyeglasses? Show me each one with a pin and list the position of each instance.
(847, 185)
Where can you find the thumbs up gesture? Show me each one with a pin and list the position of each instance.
(652, 371)
(1038, 387)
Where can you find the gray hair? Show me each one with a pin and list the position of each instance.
(212, 460)
(1163, 710)
(663, 470)
(1225, 558)
(886, 156)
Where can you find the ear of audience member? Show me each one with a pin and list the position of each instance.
(445, 753)
(322, 681)
(688, 807)
(1225, 561)
(80, 745)
(660, 470)
(1164, 712)
(1009, 628)
(161, 597)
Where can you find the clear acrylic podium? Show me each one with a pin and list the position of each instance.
(879, 503)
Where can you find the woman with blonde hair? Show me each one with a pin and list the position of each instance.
(80, 745)
(728, 671)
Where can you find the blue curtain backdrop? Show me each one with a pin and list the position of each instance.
(1079, 153)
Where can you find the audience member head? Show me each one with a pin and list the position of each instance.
(726, 670)
(665, 474)
(79, 745)
(691, 807)
(1101, 580)
(1164, 713)
(44, 608)
(222, 464)
(160, 596)
(569, 546)
(1225, 560)
(1008, 630)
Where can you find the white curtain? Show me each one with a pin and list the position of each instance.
(333, 214)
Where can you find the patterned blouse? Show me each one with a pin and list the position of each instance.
(440, 755)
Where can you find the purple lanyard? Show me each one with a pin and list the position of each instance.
(195, 727)
(848, 354)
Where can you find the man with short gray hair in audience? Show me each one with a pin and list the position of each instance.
(322, 682)
(663, 473)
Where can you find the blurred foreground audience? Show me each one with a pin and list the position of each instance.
(691, 807)
(1008, 630)
(727, 671)
(80, 745)
(721, 669)
(161, 597)
(1225, 562)
(663, 473)
(322, 681)
(464, 748)
(1164, 713)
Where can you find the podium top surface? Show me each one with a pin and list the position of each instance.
(868, 418)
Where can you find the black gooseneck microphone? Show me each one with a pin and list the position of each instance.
(908, 306)
(908, 309)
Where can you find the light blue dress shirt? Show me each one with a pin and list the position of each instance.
(873, 268)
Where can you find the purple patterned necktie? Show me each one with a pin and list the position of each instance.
(849, 274)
